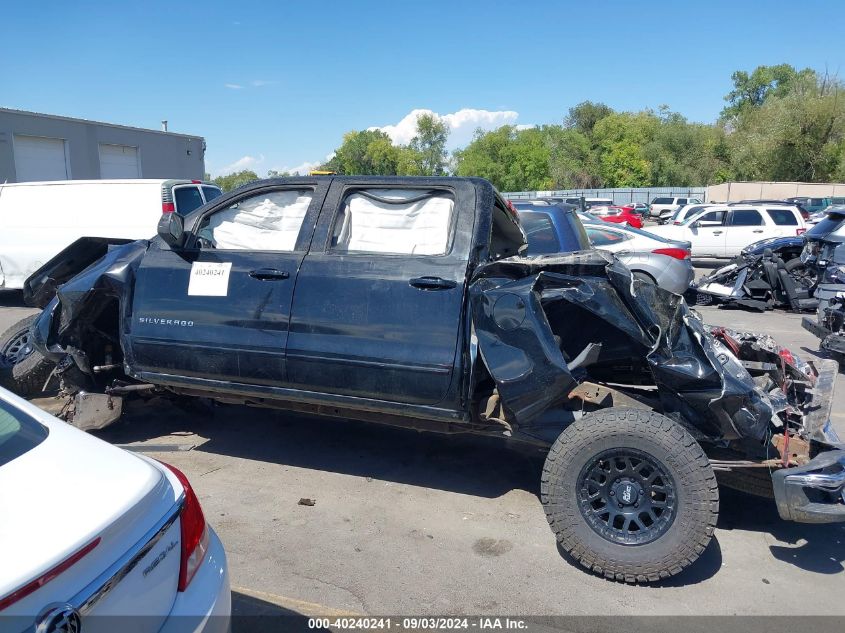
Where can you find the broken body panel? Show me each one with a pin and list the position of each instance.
(542, 341)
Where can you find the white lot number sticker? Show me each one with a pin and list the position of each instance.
(209, 279)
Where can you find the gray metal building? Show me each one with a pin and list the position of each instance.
(37, 146)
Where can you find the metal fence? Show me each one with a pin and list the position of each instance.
(619, 196)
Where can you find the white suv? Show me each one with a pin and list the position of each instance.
(667, 206)
(723, 231)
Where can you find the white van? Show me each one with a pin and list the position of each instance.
(40, 219)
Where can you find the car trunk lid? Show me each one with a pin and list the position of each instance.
(74, 494)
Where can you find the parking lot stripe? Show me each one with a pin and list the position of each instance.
(300, 606)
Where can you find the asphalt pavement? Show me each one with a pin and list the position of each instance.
(413, 523)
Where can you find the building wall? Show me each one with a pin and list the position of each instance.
(160, 154)
(735, 191)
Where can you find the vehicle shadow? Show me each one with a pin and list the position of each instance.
(479, 466)
(818, 548)
(254, 615)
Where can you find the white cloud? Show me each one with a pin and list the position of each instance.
(302, 169)
(233, 86)
(257, 83)
(462, 124)
(305, 167)
(245, 162)
(525, 126)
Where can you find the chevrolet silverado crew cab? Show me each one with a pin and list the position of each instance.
(409, 302)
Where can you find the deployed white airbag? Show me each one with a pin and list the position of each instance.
(398, 221)
(267, 222)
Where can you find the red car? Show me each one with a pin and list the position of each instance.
(640, 208)
(618, 215)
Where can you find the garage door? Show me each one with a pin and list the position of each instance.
(40, 158)
(119, 161)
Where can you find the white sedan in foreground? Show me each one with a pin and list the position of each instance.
(93, 538)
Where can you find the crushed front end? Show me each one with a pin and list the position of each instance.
(563, 335)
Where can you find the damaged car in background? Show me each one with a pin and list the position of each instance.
(767, 274)
(825, 251)
(410, 302)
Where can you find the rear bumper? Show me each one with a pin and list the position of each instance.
(206, 605)
(813, 493)
(832, 341)
(813, 327)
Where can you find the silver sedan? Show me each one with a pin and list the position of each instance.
(650, 257)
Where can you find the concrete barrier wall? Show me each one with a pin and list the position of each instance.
(734, 191)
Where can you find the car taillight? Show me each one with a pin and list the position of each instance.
(194, 532)
(677, 253)
(50, 574)
(168, 207)
(800, 231)
(805, 215)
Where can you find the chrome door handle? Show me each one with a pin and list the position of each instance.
(757, 231)
(717, 232)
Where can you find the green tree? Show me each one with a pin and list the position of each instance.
(621, 139)
(573, 162)
(513, 160)
(365, 152)
(795, 136)
(584, 116)
(430, 145)
(233, 181)
(687, 154)
(750, 91)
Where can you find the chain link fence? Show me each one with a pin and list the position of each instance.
(619, 195)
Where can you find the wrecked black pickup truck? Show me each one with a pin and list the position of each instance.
(405, 301)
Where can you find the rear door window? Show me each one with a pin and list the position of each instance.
(211, 193)
(187, 199)
(394, 221)
(602, 237)
(782, 217)
(540, 231)
(18, 433)
(682, 200)
(663, 201)
(746, 217)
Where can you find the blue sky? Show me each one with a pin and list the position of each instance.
(275, 85)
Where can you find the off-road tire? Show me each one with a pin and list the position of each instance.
(27, 377)
(697, 494)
